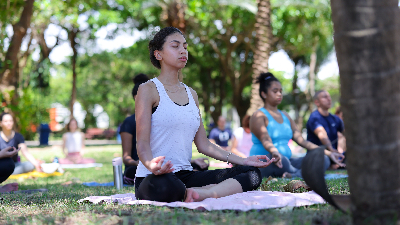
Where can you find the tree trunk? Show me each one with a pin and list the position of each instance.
(72, 35)
(262, 50)
(9, 76)
(367, 45)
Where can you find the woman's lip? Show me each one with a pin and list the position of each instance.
(183, 59)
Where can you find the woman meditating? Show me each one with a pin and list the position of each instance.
(74, 142)
(272, 129)
(10, 138)
(167, 122)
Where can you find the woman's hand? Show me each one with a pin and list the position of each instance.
(278, 158)
(157, 168)
(255, 161)
(8, 152)
(337, 158)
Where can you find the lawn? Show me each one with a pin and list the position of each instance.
(59, 205)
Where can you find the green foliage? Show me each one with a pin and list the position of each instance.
(31, 111)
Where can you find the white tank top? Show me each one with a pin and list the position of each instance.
(173, 128)
(73, 141)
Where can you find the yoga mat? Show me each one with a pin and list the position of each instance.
(79, 166)
(95, 184)
(331, 176)
(242, 201)
(34, 174)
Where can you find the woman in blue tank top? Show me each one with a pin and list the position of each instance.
(272, 129)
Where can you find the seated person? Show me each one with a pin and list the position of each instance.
(10, 138)
(221, 135)
(241, 142)
(7, 168)
(74, 142)
(322, 126)
(168, 121)
(272, 129)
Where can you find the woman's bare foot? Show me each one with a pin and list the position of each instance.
(9, 187)
(191, 195)
(286, 175)
(205, 187)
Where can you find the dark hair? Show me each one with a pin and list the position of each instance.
(317, 93)
(73, 119)
(338, 110)
(265, 80)
(246, 121)
(158, 41)
(138, 80)
(3, 114)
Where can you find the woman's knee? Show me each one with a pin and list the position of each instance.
(250, 179)
(161, 188)
(6, 168)
(24, 167)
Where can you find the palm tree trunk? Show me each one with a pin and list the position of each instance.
(367, 35)
(261, 54)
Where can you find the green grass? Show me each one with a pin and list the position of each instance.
(59, 205)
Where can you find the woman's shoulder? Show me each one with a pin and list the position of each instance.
(18, 135)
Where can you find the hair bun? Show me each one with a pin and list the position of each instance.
(140, 78)
(265, 76)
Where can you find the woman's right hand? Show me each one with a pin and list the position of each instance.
(8, 152)
(278, 158)
(157, 168)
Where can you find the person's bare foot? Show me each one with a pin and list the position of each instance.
(9, 187)
(286, 175)
(205, 187)
(191, 195)
(334, 166)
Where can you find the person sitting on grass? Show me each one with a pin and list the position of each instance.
(7, 168)
(74, 142)
(168, 120)
(128, 139)
(10, 138)
(242, 143)
(272, 129)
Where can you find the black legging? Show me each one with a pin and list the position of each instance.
(166, 188)
(6, 168)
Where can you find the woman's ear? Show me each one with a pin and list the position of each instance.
(263, 95)
(157, 55)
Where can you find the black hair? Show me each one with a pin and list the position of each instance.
(317, 94)
(265, 80)
(3, 114)
(138, 80)
(158, 41)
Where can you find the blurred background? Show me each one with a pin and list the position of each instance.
(64, 58)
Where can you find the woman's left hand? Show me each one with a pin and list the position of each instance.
(255, 161)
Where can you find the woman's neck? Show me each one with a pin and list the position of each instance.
(169, 76)
(7, 132)
(271, 108)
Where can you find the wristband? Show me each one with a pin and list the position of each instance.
(227, 160)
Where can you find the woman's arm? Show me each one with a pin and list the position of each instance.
(64, 138)
(83, 143)
(212, 150)
(297, 137)
(258, 126)
(126, 139)
(147, 96)
(8, 152)
(29, 157)
(234, 148)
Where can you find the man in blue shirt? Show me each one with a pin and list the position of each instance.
(221, 135)
(323, 127)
